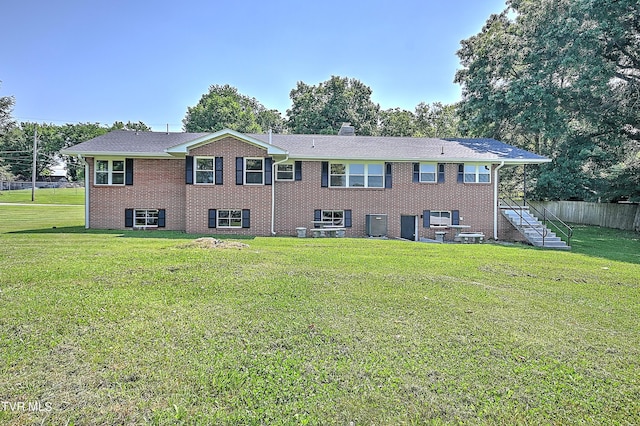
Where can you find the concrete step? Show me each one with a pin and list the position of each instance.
(558, 245)
(546, 240)
(533, 230)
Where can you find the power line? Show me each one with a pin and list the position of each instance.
(100, 123)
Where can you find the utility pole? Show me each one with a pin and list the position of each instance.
(33, 171)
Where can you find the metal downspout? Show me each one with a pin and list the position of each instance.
(495, 201)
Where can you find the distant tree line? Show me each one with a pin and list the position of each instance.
(319, 109)
(16, 143)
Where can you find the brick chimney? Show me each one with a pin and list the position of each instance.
(347, 130)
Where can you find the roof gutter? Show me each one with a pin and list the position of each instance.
(273, 194)
(495, 200)
(514, 161)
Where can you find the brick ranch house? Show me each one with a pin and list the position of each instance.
(270, 184)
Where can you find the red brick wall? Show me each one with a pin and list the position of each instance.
(201, 198)
(157, 184)
(296, 201)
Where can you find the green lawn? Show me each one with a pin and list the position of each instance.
(138, 327)
(44, 196)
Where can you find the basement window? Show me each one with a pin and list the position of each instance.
(335, 217)
(439, 219)
(230, 218)
(145, 218)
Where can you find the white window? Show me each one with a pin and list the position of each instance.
(439, 219)
(254, 171)
(335, 217)
(428, 172)
(284, 171)
(356, 175)
(375, 175)
(230, 218)
(205, 170)
(109, 172)
(145, 218)
(477, 173)
(338, 175)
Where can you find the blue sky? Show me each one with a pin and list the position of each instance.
(74, 61)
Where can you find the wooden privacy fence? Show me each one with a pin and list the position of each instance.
(620, 216)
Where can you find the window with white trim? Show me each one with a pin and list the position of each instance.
(356, 175)
(204, 170)
(439, 219)
(229, 218)
(254, 171)
(477, 173)
(284, 171)
(109, 172)
(428, 172)
(145, 218)
(335, 217)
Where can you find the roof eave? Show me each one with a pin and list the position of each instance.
(151, 155)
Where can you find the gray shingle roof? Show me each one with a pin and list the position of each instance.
(321, 147)
(399, 148)
(125, 142)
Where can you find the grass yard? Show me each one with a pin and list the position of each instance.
(44, 196)
(139, 327)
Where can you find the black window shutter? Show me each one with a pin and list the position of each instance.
(239, 170)
(317, 217)
(426, 218)
(460, 173)
(128, 218)
(325, 174)
(212, 218)
(219, 169)
(268, 171)
(416, 172)
(347, 218)
(246, 218)
(455, 217)
(297, 170)
(161, 218)
(440, 173)
(388, 181)
(188, 174)
(128, 171)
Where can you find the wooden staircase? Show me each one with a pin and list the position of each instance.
(536, 231)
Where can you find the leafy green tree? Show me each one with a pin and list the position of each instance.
(7, 124)
(139, 126)
(560, 79)
(397, 122)
(224, 107)
(322, 109)
(437, 120)
(18, 145)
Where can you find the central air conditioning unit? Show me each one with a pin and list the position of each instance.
(376, 225)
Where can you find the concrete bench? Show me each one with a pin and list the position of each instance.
(469, 237)
(328, 232)
(440, 236)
